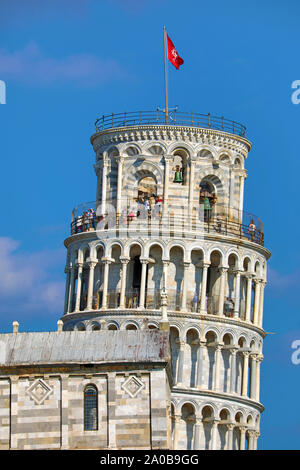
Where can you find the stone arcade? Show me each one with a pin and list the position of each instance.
(166, 255)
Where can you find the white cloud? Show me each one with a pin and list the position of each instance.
(30, 283)
(31, 65)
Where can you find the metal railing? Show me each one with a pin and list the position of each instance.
(175, 118)
(221, 222)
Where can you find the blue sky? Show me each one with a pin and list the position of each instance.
(67, 62)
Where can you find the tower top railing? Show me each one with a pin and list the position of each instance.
(175, 118)
(223, 221)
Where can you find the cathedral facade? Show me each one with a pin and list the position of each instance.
(160, 342)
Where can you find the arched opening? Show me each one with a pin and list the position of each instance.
(207, 420)
(195, 280)
(225, 364)
(175, 278)
(154, 277)
(188, 419)
(213, 283)
(180, 167)
(133, 278)
(211, 339)
(99, 277)
(131, 326)
(114, 278)
(90, 408)
(190, 369)
(207, 200)
(112, 327)
(174, 344)
(222, 428)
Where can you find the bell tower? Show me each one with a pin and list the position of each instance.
(168, 241)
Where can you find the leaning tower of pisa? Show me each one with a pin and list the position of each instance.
(168, 244)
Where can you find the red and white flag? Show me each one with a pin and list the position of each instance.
(173, 55)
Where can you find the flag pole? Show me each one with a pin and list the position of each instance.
(166, 90)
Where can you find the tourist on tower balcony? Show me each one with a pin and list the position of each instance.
(252, 230)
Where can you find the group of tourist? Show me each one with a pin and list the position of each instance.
(145, 207)
(85, 222)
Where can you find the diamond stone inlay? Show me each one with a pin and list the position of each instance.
(39, 391)
(133, 386)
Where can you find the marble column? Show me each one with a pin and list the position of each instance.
(261, 304)
(233, 370)
(256, 301)
(223, 271)
(79, 283)
(105, 282)
(120, 161)
(229, 443)
(104, 184)
(197, 433)
(253, 377)
(177, 419)
(203, 288)
(251, 440)
(184, 287)
(214, 430)
(143, 282)
(168, 159)
(248, 297)
(237, 293)
(216, 385)
(242, 437)
(191, 186)
(179, 378)
(257, 378)
(72, 287)
(124, 261)
(245, 373)
(255, 439)
(242, 175)
(199, 376)
(92, 265)
(67, 289)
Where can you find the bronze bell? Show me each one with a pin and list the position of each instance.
(177, 178)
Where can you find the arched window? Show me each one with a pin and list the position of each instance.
(207, 199)
(91, 408)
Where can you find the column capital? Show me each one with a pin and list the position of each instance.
(248, 275)
(259, 357)
(206, 263)
(144, 260)
(186, 264)
(233, 350)
(120, 159)
(166, 262)
(107, 260)
(257, 280)
(92, 263)
(246, 353)
(193, 159)
(252, 432)
(180, 341)
(124, 259)
(79, 264)
(176, 418)
(243, 428)
(230, 426)
(168, 157)
(237, 271)
(223, 269)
